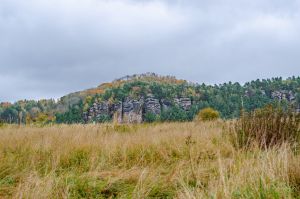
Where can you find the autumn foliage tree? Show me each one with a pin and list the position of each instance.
(208, 114)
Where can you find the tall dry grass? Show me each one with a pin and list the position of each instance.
(171, 160)
(267, 127)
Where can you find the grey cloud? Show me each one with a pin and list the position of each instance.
(49, 48)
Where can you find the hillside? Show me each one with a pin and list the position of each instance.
(150, 97)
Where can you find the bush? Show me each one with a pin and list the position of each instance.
(268, 127)
(1, 123)
(103, 118)
(208, 114)
(43, 119)
(151, 117)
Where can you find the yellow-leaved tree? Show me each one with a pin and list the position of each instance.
(208, 114)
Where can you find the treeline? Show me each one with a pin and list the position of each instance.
(228, 98)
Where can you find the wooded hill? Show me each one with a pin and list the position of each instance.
(150, 97)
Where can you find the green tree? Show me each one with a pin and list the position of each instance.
(174, 114)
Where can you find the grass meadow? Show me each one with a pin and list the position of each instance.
(166, 160)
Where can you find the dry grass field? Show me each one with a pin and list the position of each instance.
(169, 160)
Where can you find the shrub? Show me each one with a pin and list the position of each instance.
(268, 127)
(103, 118)
(208, 114)
(151, 117)
(1, 123)
(43, 119)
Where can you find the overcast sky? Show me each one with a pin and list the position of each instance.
(49, 48)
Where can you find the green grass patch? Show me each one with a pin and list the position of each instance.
(93, 187)
(261, 191)
(77, 160)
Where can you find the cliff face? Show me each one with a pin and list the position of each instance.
(133, 110)
(287, 95)
(283, 95)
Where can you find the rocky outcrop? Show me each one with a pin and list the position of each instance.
(152, 105)
(133, 110)
(117, 112)
(288, 96)
(283, 95)
(184, 103)
(96, 110)
(166, 104)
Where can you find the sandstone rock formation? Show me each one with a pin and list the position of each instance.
(283, 95)
(152, 105)
(184, 103)
(117, 112)
(166, 104)
(133, 110)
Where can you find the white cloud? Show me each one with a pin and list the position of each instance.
(280, 28)
(117, 15)
(58, 46)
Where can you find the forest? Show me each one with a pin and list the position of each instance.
(227, 98)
